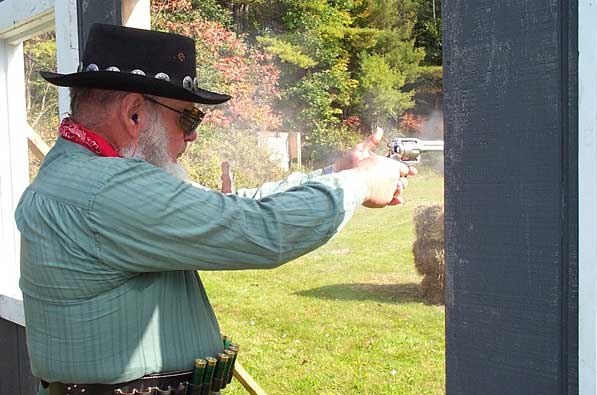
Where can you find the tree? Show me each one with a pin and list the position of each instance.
(226, 63)
(343, 64)
(344, 60)
(428, 30)
(390, 64)
(381, 98)
(41, 98)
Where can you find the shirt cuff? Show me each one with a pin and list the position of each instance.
(355, 190)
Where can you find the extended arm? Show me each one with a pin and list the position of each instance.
(293, 180)
(145, 220)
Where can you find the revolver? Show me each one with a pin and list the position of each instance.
(408, 149)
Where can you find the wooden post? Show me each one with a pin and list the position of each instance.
(246, 380)
(511, 197)
(294, 147)
(136, 13)
(37, 145)
(67, 47)
(587, 197)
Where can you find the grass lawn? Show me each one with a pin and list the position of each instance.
(347, 318)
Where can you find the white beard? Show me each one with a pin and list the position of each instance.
(152, 147)
(177, 170)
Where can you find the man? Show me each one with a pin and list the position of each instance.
(111, 240)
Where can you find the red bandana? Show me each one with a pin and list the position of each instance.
(79, 134)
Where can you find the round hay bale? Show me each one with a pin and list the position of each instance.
(428, 256)
(429, 222)
(428, 251)
(433, 290)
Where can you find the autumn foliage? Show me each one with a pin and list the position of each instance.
(227, 64)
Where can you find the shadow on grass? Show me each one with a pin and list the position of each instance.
(382, 293)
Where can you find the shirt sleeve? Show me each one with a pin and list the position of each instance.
(143, 220)
(269, 188)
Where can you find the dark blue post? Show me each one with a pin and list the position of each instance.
(511, 111)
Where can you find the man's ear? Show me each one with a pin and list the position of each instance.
(132, 114)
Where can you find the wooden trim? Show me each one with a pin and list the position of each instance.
(21, 15)
(67, 47)
(11, 309)
(587, 198)
(43, 23)
(14, 162)
(246, 380)
(136, 13)
(36, 144)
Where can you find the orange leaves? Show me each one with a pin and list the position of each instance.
(228, 64)
(411, 123)
(171, 6)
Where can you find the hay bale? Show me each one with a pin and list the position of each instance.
(428, 250)
(429, 222)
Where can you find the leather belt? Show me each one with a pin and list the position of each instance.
(174, 383)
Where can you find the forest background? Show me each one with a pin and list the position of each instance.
(331, 70)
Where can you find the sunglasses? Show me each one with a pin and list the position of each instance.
(189, 119)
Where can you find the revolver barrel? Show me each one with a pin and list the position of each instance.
(409, 150)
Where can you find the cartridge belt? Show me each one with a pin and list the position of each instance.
(173, 383)
(209, 376)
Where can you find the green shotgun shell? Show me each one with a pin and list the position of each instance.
(208, 375)
(231, 354)
(233, 347)
(226, 340)
(198, 371)
(216, 383)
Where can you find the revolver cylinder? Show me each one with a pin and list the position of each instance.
(408, 150)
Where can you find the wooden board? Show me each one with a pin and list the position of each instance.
(15, 374)
(245, 379)
(510, 80)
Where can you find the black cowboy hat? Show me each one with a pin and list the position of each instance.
(141, 61)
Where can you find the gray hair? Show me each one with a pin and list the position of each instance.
(89, 105)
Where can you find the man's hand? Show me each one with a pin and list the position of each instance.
(385, 178)
(363, 150)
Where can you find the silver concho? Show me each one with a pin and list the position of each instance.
(187, 83)
(112, 68)
(92, 67)
(162, 76)
(138, 72)
(195, 84)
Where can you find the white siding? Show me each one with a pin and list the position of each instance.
(67, 47)
(587, 194)
(14, 172)
(20, 20)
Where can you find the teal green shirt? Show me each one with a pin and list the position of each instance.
(110, 249)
